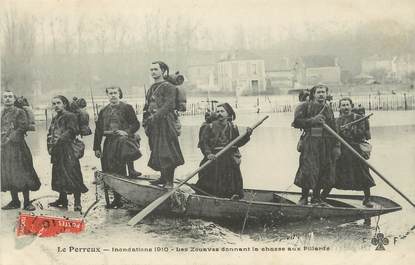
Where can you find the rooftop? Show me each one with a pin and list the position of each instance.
(240, 55)
(315, 61)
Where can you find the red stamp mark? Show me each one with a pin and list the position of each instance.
(47, 226)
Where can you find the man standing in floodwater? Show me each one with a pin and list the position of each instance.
(17, 172)
(319, 150)
(66, 170)
(351, 173)
(161, 121)
(116, 122)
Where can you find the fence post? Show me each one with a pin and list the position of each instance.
(387, 103)
(370, 103)
(405, 103)
(46, 118)
(379, 102)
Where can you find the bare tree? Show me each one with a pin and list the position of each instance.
(101, 36)
(19, 47)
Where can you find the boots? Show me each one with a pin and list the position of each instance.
(304, 197)
(14, 203)
(132, 173)
(315, 199)
(325, 193)
(11, 205)
(168, 175)
(160, 181)
(27, 205)
(62, 202)
(366, 200)
(77, 202)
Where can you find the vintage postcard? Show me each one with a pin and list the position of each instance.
(207, 132)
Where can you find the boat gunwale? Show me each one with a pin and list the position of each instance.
(358, 210)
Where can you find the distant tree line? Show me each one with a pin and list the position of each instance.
(61, 54)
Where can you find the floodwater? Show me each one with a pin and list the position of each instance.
(269, 161)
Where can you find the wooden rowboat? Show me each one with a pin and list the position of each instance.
(262, 205)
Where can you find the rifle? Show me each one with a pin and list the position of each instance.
(106, 194)
(93, 105)
(110, 133)
(356, 121)
(348, 146)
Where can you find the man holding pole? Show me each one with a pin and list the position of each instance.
(319, 150)
(149, 208)
(160, 121)
(351, 173)
(222, 178)
(117, 122)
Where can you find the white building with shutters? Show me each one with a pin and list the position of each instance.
(241, 72)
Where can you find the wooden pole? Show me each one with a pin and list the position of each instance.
(149, 208)
(405, 102)
(370, 103)
(46, 118)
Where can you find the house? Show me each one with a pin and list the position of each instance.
(203, 76)
(380, 66)
(241, 71)
(311, 70)
(280, 78)
(279, 73)
(202, 70)
(405, 66)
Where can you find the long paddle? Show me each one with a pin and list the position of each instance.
(143, 213)
(330, 130)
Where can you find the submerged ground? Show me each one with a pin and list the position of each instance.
(269, 161)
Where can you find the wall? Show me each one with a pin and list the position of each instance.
(239, 74)
(327, 75)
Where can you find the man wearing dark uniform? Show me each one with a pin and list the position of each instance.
(160, 121)
(222, 178)
(116, 121)
(319, 150)
(17, 172)
(66, 170)
(351, 173)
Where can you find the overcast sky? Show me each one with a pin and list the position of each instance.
(230, 12)
(280, 17)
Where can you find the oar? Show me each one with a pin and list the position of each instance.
(330, 130)
(143, 213)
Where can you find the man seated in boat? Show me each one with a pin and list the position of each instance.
(318, 148)
(222, 178)
(351, 173)
(118, 123)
